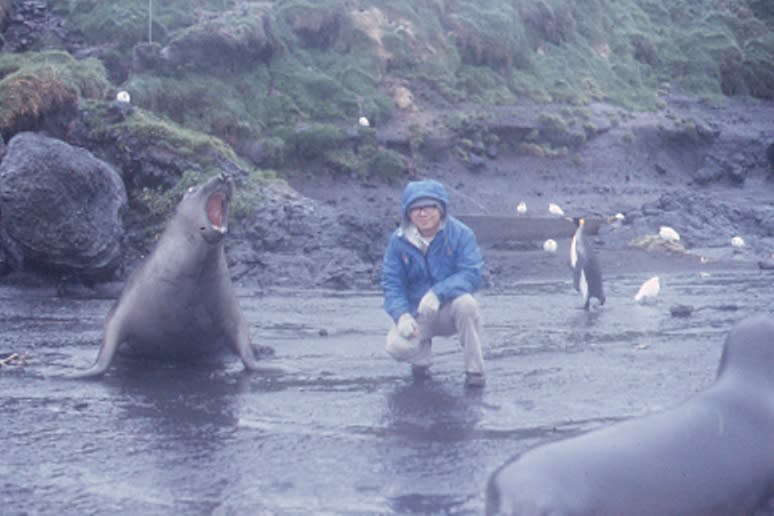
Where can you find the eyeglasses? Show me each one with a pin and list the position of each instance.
(421, 208)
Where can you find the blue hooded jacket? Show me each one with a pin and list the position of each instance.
(451, 267)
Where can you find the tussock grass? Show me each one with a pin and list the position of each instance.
(33, 85)
(258, 70)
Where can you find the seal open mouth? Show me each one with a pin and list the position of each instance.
(216, 211)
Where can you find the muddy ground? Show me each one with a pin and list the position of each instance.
(337, 427)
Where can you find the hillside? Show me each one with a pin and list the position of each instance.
(598, 105)
(285, 82)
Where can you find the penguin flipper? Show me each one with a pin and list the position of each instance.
(577, 273)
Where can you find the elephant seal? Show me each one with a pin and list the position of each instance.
(179, 302)
(713, 454)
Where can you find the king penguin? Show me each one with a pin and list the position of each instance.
(587, 276)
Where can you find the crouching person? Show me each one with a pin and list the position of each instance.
(431, 269)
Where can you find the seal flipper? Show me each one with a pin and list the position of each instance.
(250, 354)
(241, 345)
(113, 338)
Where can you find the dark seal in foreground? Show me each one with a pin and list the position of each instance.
(714, 454)
(180, 302)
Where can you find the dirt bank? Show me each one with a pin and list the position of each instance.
(700, 168)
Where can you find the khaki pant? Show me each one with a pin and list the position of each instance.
(461, 316)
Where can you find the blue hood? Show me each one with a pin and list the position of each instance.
(426, 188)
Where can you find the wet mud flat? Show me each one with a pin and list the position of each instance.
(337, 427)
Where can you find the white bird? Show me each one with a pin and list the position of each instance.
(648, 291)
(363, 122)
(737, 241)
(521, 208)
(554, 209)
(668, 234)
(618, 217)
(123, 96)
(550, 246)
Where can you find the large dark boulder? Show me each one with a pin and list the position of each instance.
(61, 208)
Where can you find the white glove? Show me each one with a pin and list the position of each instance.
(407, 326)
(429, 304)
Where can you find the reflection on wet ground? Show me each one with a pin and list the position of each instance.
(339, 427)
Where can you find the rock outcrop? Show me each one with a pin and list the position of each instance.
(61, 208)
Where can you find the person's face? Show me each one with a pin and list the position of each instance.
(427, 220)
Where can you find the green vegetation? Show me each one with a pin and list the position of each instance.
(159, 159)
(295, 75)
(298, 60)
(320, 58)
(128, 136)
(40, 83)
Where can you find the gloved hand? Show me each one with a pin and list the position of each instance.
(407, 326)
(429, 304)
